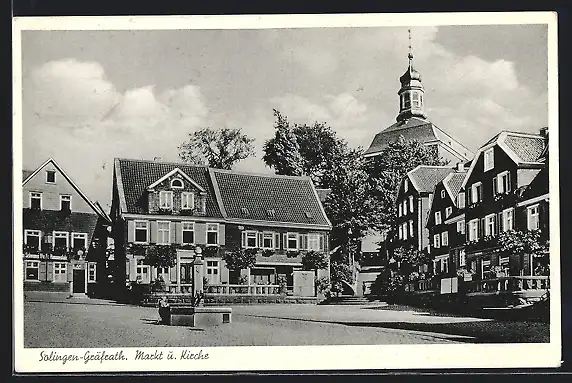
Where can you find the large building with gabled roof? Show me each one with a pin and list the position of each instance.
(203, 213)
(64, 232)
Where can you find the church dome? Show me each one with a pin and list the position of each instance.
(410, 75)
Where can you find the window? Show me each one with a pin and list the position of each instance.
(437, 218)
(50, 176)
(442, 194)
(501, 183)
(187, 200)
(141, 231)
(188, 232)
(445, 238)
(32, 270)
(166, 199)
(489, 159)
(35, 201)
(444, 265)
(508, 219)
(490, 224)
(65, 202)
(436, 241)
(61, 240)
(476, 192)
(416, 99)
(462, 258)
(532, 217)
(268, 240)
(212, 233)
(79, 241)
(406, 99)
(250, 239)
(315, 242)
(91, 272)
(461, 200)
(405, 186)
(411, 228)
(404, 230)
(400, 210)
(32, 239)
(212, 270)
(404, 206)
(177, 183)
(448, 211)
(474, 230)
(292, 241)
(400, 232)
(163, 232)
(60, 272)
(461, 227)
(411, 203)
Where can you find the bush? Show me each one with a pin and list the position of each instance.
(243, 280)
(239, 259)
(158, 285)
(282, 284)
(315, 260)
(323, 286)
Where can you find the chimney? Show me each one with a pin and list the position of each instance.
(460, 167)
(544, 132)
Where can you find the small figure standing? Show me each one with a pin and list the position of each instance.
(164, 310)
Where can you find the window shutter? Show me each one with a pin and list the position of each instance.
(243, 239)
(260, 241)
(508, 185)
(495, 185)
(277, 241)
(285, 241)
(321, 242)
(301, 241)
(498, 226)
(481, 228)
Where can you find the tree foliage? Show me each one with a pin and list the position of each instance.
(525, 242)
(239, 259)
(407, 259)
(315, 260)
(161, 255)
(217, 148)
(310, 150)
(387, 170)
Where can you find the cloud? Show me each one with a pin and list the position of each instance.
(80, 119)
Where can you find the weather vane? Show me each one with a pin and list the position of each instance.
(410, 55)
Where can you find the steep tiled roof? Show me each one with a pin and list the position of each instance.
(527, 148)
(425, 178)
(292, 199)
(454, 181)
(538, 186)
(50, 220)
(26, 174)
(137, 175)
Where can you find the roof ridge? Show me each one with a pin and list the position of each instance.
(524, 134)
(267, 175)
(161, 162)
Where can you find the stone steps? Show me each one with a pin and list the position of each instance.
(353, 301)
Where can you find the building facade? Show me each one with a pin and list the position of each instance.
(65, 233)
(201, 213)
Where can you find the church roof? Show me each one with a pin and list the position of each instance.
(417, 129)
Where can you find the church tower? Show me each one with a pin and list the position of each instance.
(411, 92)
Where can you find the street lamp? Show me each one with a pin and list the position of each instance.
(197, 261)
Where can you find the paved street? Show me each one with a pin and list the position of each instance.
(51, 320)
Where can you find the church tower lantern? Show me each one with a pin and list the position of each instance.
(411, 92)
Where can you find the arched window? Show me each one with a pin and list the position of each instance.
(406, 100)
(416, 97)
(177, 183)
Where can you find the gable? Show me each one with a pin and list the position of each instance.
(63, 185)
(176, 175)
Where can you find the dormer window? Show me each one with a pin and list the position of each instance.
(166, 199)
(244, 211)
(177, 183)
(271, 213)
(187, 201)
(308, 214)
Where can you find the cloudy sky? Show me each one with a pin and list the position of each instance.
(91, 96)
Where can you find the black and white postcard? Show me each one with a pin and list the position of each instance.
(286, 192)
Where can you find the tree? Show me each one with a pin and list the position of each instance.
(524, 243)
(315, 260)
(283, 152)
(161, 255)
(387, 170)
(407, 259)
(310, 150)
(239, 259)
(340, 273)
(220, 148)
